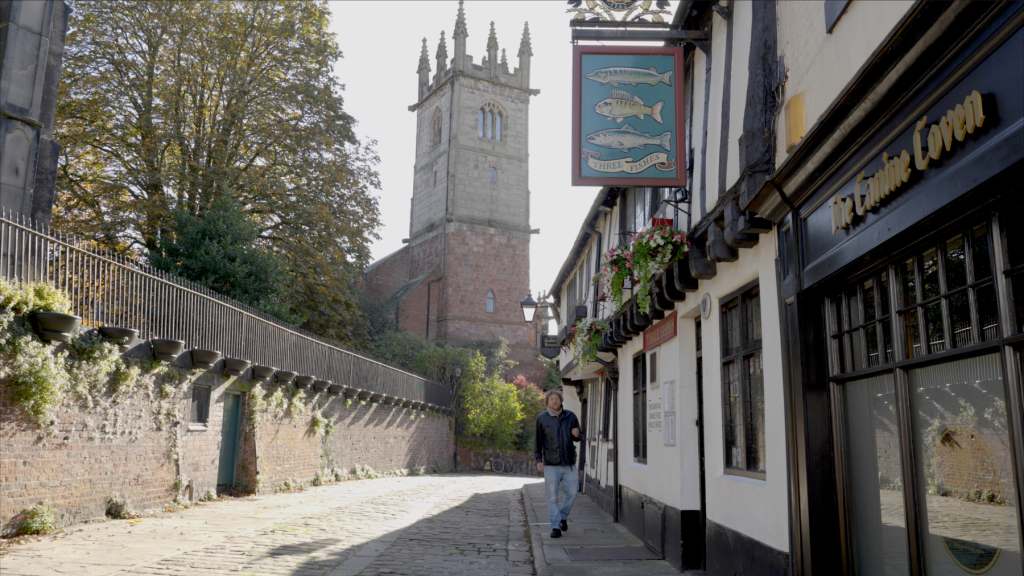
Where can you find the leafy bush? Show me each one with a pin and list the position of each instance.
(36, 377)
(37, 520)
(27, 297)
(532, 399)
(491, 407)
(117, 509)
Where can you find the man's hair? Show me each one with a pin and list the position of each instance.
(555, 392)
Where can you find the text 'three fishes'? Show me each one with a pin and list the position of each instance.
(633, 76)
(626, 138)
(622, 105)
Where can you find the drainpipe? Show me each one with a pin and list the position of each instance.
(613, 381)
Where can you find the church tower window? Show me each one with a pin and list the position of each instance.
(435, 127)
(489, 302)
(490, 122)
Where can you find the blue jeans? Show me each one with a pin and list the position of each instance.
(559, 484)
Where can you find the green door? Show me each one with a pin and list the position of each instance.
(229, 442)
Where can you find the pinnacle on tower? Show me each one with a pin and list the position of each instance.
(423, 70)
(442, 58)
(460, 23)
(424, 59)
(525, 49)
(504, 61)
(492, 50)
(460, 34)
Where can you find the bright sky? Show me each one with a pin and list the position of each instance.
(381, 45)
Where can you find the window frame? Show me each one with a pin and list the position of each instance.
(199, 407)
(640, 408)
(748, 347)
(490, 302)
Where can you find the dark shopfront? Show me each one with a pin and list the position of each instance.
(902, 276)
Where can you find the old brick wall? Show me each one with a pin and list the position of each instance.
(385, 438)
(515, 462)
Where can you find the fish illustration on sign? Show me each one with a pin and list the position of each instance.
(622, 105)
(627, 138)
(622, 75)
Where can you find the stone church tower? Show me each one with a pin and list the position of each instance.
(466, 264)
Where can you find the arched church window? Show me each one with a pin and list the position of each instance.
(435, 128)
(480, 123)
(490, 122)
(489, 125)
(497, 126)
(489, 302)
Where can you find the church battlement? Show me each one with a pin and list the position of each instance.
(493, 67)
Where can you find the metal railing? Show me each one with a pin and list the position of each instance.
(108, 289)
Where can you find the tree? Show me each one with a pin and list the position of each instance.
(221, 249)
(166, 107)
(491, 407)
(531, 397)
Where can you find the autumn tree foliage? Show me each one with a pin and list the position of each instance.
(168, 107)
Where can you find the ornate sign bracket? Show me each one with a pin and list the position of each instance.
(628, 21)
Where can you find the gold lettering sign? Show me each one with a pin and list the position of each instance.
(931, 143)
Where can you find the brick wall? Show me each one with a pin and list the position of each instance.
(384, 438)
(143, 449)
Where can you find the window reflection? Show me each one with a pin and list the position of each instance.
(965, 468)
(875, 481)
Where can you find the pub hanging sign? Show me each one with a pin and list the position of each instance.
(933, 139)
(628, 116)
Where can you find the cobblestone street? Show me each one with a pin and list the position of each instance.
(453, 525)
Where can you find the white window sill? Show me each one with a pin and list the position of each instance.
(194, 427)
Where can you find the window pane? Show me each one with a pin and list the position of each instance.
(489, 124)
(754, 420)
(868, 290)
(837, 315)
(956, 263)
(753, 319)
(965, 466)
(871, 343)
(733, 416)
(988, 314)
(480, 123)
(853, 307)
(980, 252)
(856, 339)
(909, 283)
(911, 334)
(1014, 242)
(933, 324)
(875, 481)
(497, 126)
(930, 274)
(960, 320)
(840, 354)
(1017, 285)
(883, 294)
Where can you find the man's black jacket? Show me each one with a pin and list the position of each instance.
(554, 443)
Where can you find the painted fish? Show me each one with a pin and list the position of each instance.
(626, 138)
(622, 105)
(622, 75)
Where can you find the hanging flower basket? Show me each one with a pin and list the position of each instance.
(284, 377)
(654, 250)
(321, 385)
(303, 381)
(335, 389)
(235, 366)
(122, 337)
(54, 326)
(202, 358)
(166, 349)
(589, 333)
(262, 373)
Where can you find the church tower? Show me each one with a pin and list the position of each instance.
(467, 255)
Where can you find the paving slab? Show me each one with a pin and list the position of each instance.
(594, 545)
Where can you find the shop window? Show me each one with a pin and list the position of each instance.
(640, 408)
(743, 384)
(200, 405)
(947, 295)
(1014, 234)
(964, 465)
(489, 302)
(861, 325)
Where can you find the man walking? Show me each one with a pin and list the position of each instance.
(555, 453)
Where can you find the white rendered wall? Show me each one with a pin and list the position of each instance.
(821, 64)
(742, 19)
(756, 508)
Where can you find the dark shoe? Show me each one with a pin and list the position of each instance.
(556, 533)
(564, 526)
